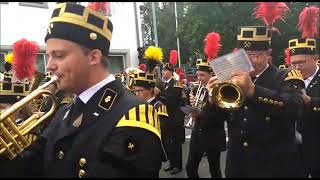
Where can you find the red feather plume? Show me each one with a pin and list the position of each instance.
(143, 67)
(103, 7)
(269, 12)
(287, 54)
(25, 53)
(308, 22)
(181, 74)
(173, 57)
(212, 45)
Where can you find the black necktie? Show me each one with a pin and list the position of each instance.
(77, 108)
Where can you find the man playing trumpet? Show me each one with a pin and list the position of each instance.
(208, 135)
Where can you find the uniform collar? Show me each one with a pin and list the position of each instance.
(87, 94)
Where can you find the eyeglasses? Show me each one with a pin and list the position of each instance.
(254, 55)
(300, 63)
(138, 91)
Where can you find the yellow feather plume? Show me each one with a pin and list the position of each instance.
(9, 58)
(154, 53)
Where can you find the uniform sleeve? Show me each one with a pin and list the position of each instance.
(131, 152)
(315, 104)
(288, 96)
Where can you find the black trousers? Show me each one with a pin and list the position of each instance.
(195, 156)
(174, 152)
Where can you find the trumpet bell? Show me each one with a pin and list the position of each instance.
(227, 95)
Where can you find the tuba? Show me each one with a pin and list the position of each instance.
(13, 137)
(227, 95)
(200, 95)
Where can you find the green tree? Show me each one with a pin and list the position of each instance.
(197, 19)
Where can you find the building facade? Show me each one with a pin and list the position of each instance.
(30, 20)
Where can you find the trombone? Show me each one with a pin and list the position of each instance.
(13, 138)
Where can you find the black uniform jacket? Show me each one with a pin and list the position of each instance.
(171, 96)
(209, 126)
(262, 131)
(117, 136)
(310, 125)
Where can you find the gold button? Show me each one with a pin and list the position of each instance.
(268, 119)
(275, 103)
(60, 155)
(82, 162)
(318, 109)
(244, 119)
(260, 98)
(315, 109)
(281, 104)
(82, 173)
(245, 108)
(270, 101)
(265, 100)
(245, 144)
(93, 36)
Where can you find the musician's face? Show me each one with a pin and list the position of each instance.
(142, 92)
(203, 76)
(70, 63)
(306, 64)
(166, 74)
(259, 61)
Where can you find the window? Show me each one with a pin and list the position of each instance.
(34, 4)
(2, 56)
(116, 63)
(41, 63)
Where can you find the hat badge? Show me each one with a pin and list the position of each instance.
(49, 28)
(247, 44)
(93, 36)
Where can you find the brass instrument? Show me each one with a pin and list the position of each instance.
(200, 95)
(13, 138)
(227, 95)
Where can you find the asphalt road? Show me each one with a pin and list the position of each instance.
(203, 167)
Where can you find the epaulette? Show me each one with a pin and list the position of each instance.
(142, 116)
(294, 75)
(67, 100)
(162, 110)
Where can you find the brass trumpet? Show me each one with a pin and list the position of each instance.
(227, 95)
(13, 138)
(200, 95)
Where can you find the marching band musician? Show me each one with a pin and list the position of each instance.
(302, 55)
(261, 132)
(143, 87)
(171, 96)
(102, 134)
(208, 135)
(14, 86)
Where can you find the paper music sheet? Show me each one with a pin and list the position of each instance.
(225, 65)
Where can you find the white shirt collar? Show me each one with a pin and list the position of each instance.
(262, 71)
(309, 79)
(167, 80)
(87, 94)
(151, 99)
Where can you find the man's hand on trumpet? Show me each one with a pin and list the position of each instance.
(243, 80)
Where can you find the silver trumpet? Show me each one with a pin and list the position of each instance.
(200, 95)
